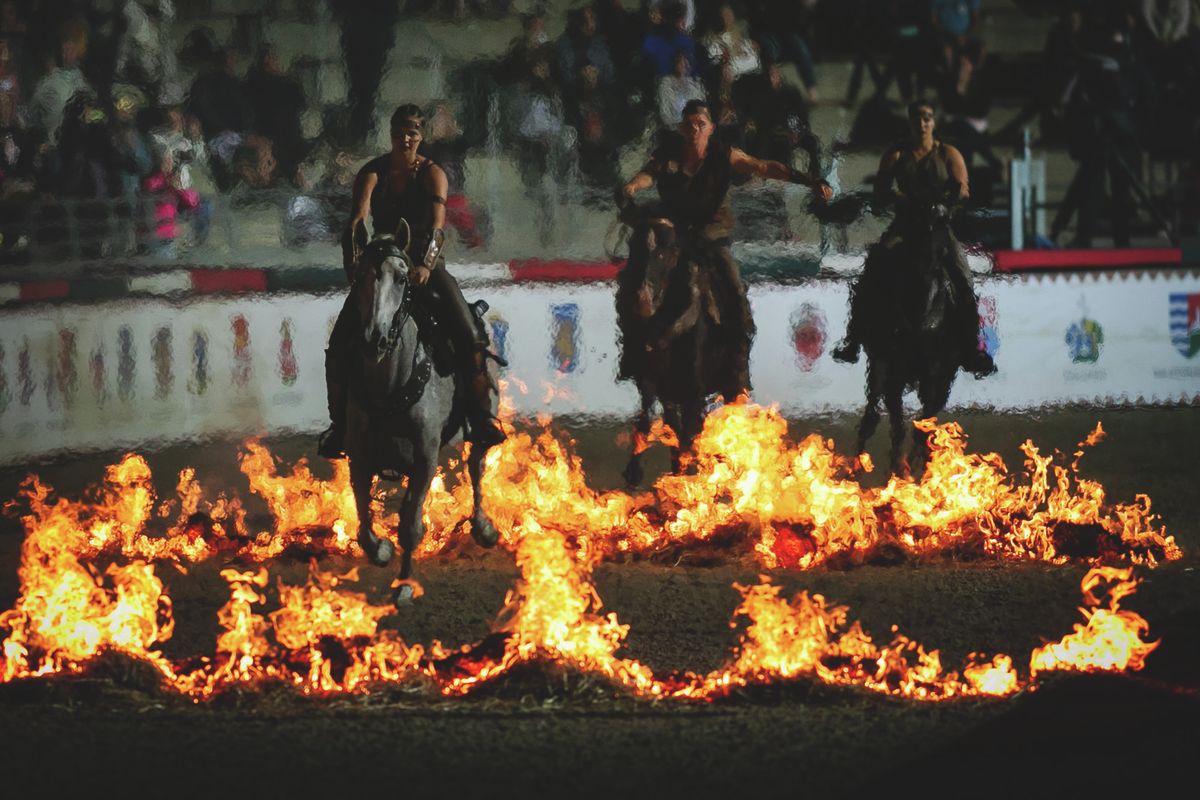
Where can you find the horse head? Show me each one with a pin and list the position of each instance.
(382, 289)
(662, 255)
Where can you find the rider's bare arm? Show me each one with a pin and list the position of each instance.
(958, 171)
(439, 188)
(884, 177)
(640, 182)
(364, 185)
(745, 164)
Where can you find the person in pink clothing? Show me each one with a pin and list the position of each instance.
(165, 200)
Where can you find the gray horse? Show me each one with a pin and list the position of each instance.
(400, 410)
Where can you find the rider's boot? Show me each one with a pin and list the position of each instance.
(979, 363)
(846, 352)
(483, 429)
(332, 443)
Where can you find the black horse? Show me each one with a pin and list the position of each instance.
(912, 339)
(672, 347)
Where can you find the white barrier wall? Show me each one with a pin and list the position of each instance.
(146, 372)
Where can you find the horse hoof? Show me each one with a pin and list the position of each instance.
(383, 553)
(484, 532)
(404, 595)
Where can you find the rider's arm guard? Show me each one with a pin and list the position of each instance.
(437, 244)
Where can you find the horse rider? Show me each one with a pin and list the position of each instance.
(930, 178)
(693, 171)
(399, 185)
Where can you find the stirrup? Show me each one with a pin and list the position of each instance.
(485, 434)
(500, 360)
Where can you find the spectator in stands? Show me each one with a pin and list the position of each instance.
(132, 153)
(623, 32)
(10, 87)
(62, 80)
(676, 90)
(219, 102)
(966, 101)
(590, 114)
(666, 40)
(254, 163)
(779, 30)
(1168, 21)
(871, 25)
(165, 202)
(956, 27)
(83, 155)
(581, 44)
(531, 47)
(730, 50)
(14, 31)
(181, 135)
(366, 36)
(686, 9)
(145, 56)
(1104, 139)
(446, 146)
(777, 121)
(278, 103)
(544, 142)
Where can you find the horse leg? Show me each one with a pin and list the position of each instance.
(633, 470)
(934, 392)
(482, 530)
(673, 419)
(379, 551)
(893, 399)
(412, 524)
(871, 416)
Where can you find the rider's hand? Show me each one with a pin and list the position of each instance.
(823, 190)
(420, 275)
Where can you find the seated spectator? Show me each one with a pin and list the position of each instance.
(955, 26)
(623, 32)
(278, 103)
(254, 163)
(445, 144)
(165, 201)
(676, 89)
(217, 99)
(581, 44)
(590, 114)
(133, 157)
(777, 120)
(966, 101)
(779, 30)
(730, 49)
(686, 9)
(180, 135)
(62, 80)
(544, 142)
(10, 85)
(530, 47)
(145, 55)
(666, 40)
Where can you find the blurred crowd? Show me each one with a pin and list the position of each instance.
(94, 104)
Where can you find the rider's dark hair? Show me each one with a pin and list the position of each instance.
(695, 107)
(914, 108)
(409, 115)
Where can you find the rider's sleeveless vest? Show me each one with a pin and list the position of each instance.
(923, 181)
(698, 203)
(414, 203)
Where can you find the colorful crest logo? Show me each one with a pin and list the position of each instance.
(164, 375)
(564, 333)
(1184, 316)
(126, 363)
(198, 384)
(1084, 339)
(241, 350)
(288, 370)
(809, 335)
(989, 329)
(498, 327)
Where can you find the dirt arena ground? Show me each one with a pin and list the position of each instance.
(540, 732)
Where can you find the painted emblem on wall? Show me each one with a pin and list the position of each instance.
(99, 370)
(1184, 316)
(126, 363)
(498, 328)
(809, 335)
(241, 350)
(164, 375)
(25, 373)
(989, 328)
(198, 383)
(564, 337)
(68, 371)
(1084, 339)
(288, 370)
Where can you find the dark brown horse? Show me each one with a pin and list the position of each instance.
(671, 345)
